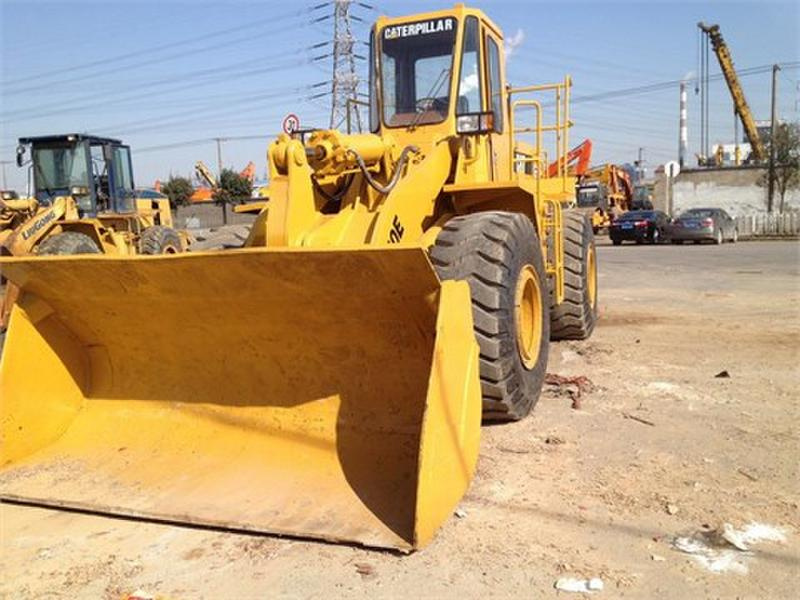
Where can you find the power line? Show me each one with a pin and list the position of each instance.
(166, 85)
(161, 48)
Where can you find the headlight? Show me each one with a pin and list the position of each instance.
(482, 122)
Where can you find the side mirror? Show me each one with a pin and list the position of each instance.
(20, 155)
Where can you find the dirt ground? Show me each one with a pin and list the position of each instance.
(660, 448)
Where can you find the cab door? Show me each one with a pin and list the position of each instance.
(475, 158)
(121, 180)
(499, 139)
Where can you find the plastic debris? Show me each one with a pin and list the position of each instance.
(723, 375)
(584, 586)
(460, 513)
(140, 595)
(657, 558)
(671, 509)
(727, 549)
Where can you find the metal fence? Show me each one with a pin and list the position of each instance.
(777, 225)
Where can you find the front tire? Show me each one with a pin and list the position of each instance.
(499, 255)
(68, 242)
(160, 240)
(655, 238)
(575, 317)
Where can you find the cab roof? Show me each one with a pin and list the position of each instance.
(458, 11)
(69, 138)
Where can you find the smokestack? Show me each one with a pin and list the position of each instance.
(683, 140)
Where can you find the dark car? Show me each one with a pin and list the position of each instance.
(704, 224)
(640, 226)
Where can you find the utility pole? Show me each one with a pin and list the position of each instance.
(772, 131)
(219, 177)
(4, 163)
(345, 80)
(640, 166)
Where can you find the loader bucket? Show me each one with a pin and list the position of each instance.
(329, 394)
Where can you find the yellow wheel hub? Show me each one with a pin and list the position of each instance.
(591, 277)
(528, 316)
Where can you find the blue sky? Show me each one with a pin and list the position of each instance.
(176, 74)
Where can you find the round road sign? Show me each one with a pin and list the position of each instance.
(291, 123)
(672, 168)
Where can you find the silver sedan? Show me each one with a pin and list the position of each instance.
(704, 224)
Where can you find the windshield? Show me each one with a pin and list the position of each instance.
(416, 64)
(699, 213)
(56, 170)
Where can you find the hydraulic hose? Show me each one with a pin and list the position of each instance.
(401, 163)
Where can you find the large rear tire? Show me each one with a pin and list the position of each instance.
(499, 255)
(160, 240)
(575, 317)
(68, 242)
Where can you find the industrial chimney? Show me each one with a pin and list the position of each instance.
(683, 138)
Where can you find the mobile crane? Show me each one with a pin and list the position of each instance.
(737, 93)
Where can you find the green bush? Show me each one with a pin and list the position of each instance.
(233, 188)
(178, 190)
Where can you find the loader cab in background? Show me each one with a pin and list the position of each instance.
(96, 172)
(443, 76)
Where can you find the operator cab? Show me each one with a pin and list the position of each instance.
(95, 171)
(412, 70)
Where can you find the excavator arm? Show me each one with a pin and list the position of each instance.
(580, 154)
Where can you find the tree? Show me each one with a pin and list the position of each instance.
(233, 188)
(787, 160)
(178, 190)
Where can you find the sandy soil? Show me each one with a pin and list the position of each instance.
(659, 448)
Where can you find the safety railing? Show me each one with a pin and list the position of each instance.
(560, 127)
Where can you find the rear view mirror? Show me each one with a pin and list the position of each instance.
(20, 155)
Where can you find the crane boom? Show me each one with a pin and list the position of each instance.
(737, 93)
(204, 173)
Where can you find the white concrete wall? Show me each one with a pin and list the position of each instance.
(734, 190)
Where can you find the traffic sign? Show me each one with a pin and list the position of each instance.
(671, 169)
(291, 123)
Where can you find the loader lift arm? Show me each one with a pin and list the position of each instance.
(737, 93)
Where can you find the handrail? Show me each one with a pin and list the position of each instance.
(560, 127)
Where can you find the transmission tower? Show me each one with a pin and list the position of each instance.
(345, 80)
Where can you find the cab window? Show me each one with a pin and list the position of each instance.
(495, 87)
(469, 86)
(416, 67)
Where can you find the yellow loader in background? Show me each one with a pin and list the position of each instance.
(329, 379)
(84, 202)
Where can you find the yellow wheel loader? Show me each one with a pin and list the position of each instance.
(84, 202)
(329, 379)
